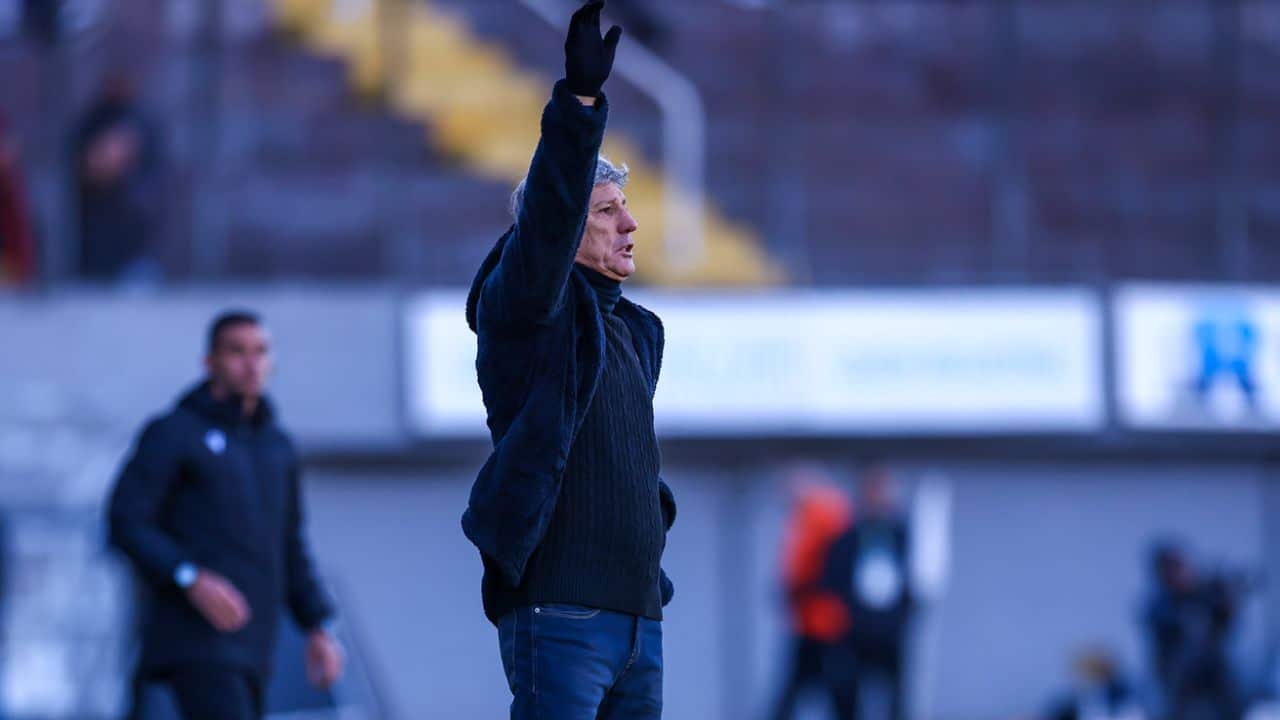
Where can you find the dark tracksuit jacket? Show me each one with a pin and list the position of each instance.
(541, 351)
(874, 630)
(206, 485)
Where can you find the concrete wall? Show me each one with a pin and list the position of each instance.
(1048, 559)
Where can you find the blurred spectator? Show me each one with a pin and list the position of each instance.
(17, 246)
(1189, 622)
(117, 160)
(820, 514)
(1100, 692)
(868, 567)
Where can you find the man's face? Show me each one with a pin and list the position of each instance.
(879, 493)
(606, 243)
(241, 359)
(1178, 573)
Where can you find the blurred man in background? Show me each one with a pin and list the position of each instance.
(869, 567)
(17, 241)
(1189, 621)
(819, 618)
(118, 188)
(209, 511)
(569, 513)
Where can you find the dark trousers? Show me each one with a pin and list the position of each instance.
(206, 692)
(1205, 688)
(881, 662)
(568, 662)
(814, 665)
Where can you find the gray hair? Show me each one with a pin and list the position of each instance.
(606, 172)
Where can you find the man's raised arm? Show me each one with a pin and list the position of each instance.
(529, 281)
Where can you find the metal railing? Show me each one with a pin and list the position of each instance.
(684, 135)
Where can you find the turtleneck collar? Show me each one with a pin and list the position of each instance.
(608, 290)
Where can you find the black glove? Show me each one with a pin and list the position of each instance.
(588, 58)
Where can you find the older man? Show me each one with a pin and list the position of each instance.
(569, 513)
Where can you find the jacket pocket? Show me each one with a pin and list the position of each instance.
(566, 611)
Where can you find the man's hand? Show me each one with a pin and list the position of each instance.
(219, 602)
(588, 58)
(324, 659)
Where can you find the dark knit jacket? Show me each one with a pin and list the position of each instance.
(541, 346)
(873, 628)
(603, 546)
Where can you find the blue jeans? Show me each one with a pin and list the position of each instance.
(569, 662)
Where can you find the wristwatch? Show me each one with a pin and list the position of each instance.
(185, 575)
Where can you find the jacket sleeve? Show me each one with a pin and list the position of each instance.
(308, 602)
(528, 283)
(140, 492)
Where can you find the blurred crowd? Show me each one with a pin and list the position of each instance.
(1188, 622)
(852, 594)
(849, 596)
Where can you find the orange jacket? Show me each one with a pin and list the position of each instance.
(821, 515)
